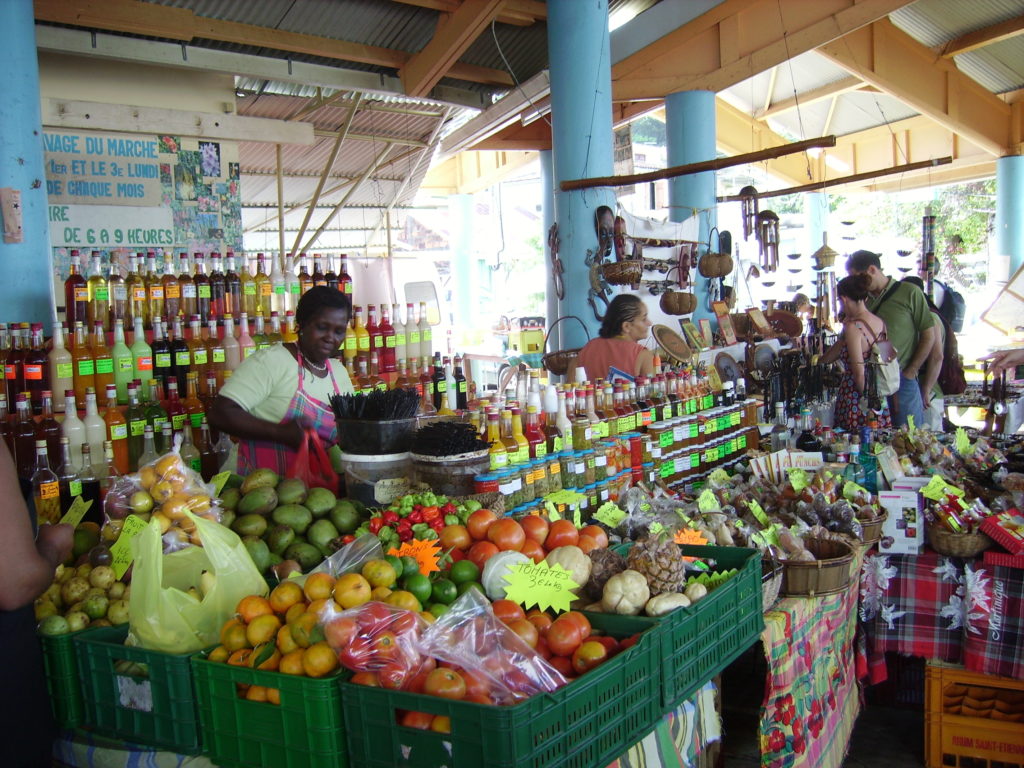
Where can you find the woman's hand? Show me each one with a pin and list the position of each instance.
(293, 433)
(54, 542)
(1007, 358)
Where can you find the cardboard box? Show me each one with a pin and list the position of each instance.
(903, 529)
(1007, 530)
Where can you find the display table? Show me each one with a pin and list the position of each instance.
(811, 695)
(948, 609)
(964, 410)
(676, 742)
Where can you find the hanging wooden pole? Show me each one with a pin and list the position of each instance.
(819, 185)
(280, 206)
(705, 165)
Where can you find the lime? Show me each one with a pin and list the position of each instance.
(438, 609)
(444, 592)
(464, 570)
(409, 565)
(396, 563)
(467, 585)
(419, 585)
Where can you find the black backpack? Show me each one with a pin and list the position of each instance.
(953, 308)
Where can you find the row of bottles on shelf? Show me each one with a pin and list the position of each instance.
(210, 349)
(205, 285)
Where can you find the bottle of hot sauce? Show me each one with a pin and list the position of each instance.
(117, 430)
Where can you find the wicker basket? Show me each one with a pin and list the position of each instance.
(945, 542)
(492, 501)
(678, 303)
(827, 575)
(559, 362)
(871, 528)
(623, 272)
(771, 582)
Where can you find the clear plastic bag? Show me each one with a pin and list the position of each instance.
(349, 558)
(470, 637)
(377, 638)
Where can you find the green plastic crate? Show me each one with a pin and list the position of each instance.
(587, 723)
(62, 679)
(306, 730)
(700, 641)
(154, 711)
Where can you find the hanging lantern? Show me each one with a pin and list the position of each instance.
(748, 204)
(767, 232)
(824, 257)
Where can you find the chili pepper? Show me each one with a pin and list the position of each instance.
(405, 535)
(449, 509)
(431, 513)
(390, 516)
(416, 516)
(348, 538)
(376, 523)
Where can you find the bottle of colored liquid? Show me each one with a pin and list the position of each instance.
(250, 291)
(401, 343)
(412, 333)
(203, 294)
(259, 336)
(69, 486)
(274, 334)
(154, 294)
(135, 418)
(142, 353)
(123, 363)
(73, 428)
(319, 278)
(232, 288)
(535, 438)
(172, 290)
(85, 365)
(362, 336)
(198, 355)
(45, 488)
(345, 284)
(330, 275)
(218, 288)
(135, 289)
(48, 428)
(62, 370)
(76, 293)
(6, 431)
(294, 287)
(426, 333)
(264, 290)
(149, 454)
(305, 279)
(95, 427)
(497, 452)
(459, 379)
(373, 331)
(117, 290)
(388, 361)
(246, 345)
(193, 405)
(24, 438)
(189, 454)
(208, 460)
(523, 445)
(289, 332)
(103, 359)
(163, 368)
(156, 416)
(14, 367)
(117, 431)
(176, 411)
(99, 297)
(181, 356)
(278, 287)
(232, 350)
(440, 383)
(189, 298)
(216, 353)
(37, 369)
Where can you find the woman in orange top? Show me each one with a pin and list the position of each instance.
(616, 352)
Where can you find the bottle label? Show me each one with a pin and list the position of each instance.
(203, 291)
(49, 490)
(182, 358)
(199, 357)
(124, 364)
(442, 386)
(173, 291)
(144, 363)
(348, 288)
(218, 356)
(158, 424)
(178, 420)
(10, 371)
(188, 291)
(426, 334)
(350, 342)
(81, 293)
(377, 341)
(382, 386)
(75, 488)
(163, 360)
(389, 342)
(64, 371)
(364, 343)
(264, 289)
(462, 387)
(499, 459)
(195, 464)
(248, 351)
(400, 339)
(429, 387)
(33, 372)
(137, 427)
(138, 293)
(105, 365)
(118, 431)
(249, 289)
(86, 367)
(196, 420)
(541, 450)
(414, 337)
(156, 292)
(320, 282)
(280, 290)
(557, 444)
(102, 293)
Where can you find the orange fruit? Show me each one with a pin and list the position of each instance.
(403, 599)
(285, 642)
(252, 606)
(170, 462)
(219, 654)
(319, 660)
(380, 573)
(147, 477)
(291, 663)
(380, 594)
(240, 658)
(262, 629)
(256, 693)
(441, 724)
(294, 612)
(428, 617)
(325, 608)
(274, 696)
(173, 506)
(270, 663)
(232, 622)
(318, 586)
(284, 596)
(352, 590)
(233, 637)
(305, 631)
(162, 491)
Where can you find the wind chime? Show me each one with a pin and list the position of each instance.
(767, 231)
(928, 263)
(748, 206)
(825, 283)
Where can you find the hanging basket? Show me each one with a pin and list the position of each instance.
(678, 303)
(715, 264)
(558, 362)
(824, 257)
(622, 272)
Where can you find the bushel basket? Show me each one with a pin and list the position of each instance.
(828, 574)
(945, 542)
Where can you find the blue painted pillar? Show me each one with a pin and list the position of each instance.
(460, 222)
(1009, 204)
(27, 266)
(581, 118)
(690, 134)
(547, 206)
(816, 218)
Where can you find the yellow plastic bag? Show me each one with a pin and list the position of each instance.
(162, 616)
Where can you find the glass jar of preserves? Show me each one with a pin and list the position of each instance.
(541, 481)
(589, 466)
(567, 460)
(487, 483)
(529, 482)
(554, 466)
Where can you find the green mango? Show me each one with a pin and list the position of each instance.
(227, 517)
(261, 478)
(320, 501)
(230, 497)
(345, 516)
(259, 501)
(295, 516)
(360, 507)
(258, 551)
(321, 533)
(279, 538)
(291, 491)
(250, 525)
(305, 554)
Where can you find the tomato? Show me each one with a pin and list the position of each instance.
(481, 552)
(519, 682)
(393, 675)
(628, 642)
(542, 648)
(541, 621)
(588, 544)
(416, 681)
(356, 655)
(533, 550)
(526, 631)
(441, 724)
(366, 678)
(384, 646)
(456, 536)
(476, 684)
(564, 636)
(420, 720)
(446, 683)
(597, 533)
(563, 664)
(479, 522)
(507, 611)
(608, 642)
(373, 615)
(581, 621)
(506, 534)
(339, 632)
(403, 622)
(588, 655)
(562, 534)
(535, 527)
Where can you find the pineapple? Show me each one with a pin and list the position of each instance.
(658, 559)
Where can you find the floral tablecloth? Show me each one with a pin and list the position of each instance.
(811, 696)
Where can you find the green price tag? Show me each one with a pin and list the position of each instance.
(852, 489)
(666, 438)
(75, 487)
(122, 549)
(938, 489)
(759, 514)
(609, 514)
(76, 511)
(541, 585)
(910, 424)
(553, 515)
(707, 502)
(719, 477)
(566, 496)
(798, 478)
(219, 481)
(577, 517)
(656, 528)
(962, 442)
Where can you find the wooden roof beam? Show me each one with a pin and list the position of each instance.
(806, 98)
(455, 33)
(888, 58)
(979, 38)
(520, 13)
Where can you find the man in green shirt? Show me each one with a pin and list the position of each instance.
(910, 328)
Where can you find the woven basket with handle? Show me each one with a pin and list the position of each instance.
(558, 362)
(623, 272)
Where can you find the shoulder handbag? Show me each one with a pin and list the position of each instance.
(885, 363)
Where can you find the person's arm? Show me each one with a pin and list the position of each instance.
(833, 352)
(645, 363)
(932, 369)
(26, 566)
(924, 323)
(925, 342)
(855, 351)
(228, 416)
(1006, 358)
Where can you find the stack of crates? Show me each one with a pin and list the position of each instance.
(973, 720)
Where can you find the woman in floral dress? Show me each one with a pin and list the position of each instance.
(860, 331)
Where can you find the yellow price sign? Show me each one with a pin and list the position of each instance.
(758, 513)
(707, 502)
(122, 548)
(219, 481)
(609, 514)
(542, 585)
(76, 511)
